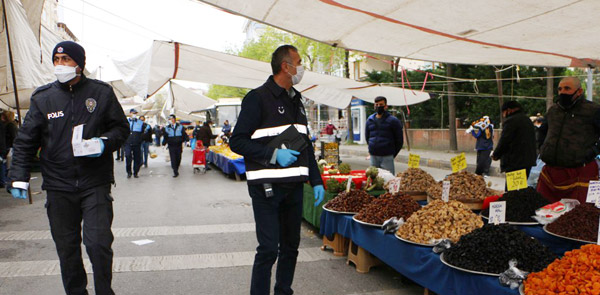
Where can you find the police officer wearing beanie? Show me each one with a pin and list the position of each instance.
(276, 176)
(78, 188)
(133, 146)
(174, 135)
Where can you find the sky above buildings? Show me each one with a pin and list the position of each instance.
(121, 29)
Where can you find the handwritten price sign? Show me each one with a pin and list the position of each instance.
(413, 161)
(459, 163)
(516, 180)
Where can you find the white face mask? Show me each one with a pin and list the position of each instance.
(298, 77)
(65, 74)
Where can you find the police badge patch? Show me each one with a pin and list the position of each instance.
(90, 104)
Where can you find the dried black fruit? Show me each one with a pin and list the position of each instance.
(488, 249)
(580, 223)
(521, 204)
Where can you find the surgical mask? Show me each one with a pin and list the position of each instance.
(298, 77)
(65, 74)
(566, 100)
(134, 116)
(380, 110)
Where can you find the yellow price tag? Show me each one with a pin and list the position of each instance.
(413, 161)
(516, 180)
(458, 163)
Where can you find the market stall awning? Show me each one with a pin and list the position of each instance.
(31, 56)
(541, 33)
(151, 70)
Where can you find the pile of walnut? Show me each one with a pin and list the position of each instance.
(386, 207)
(464, 186)
(415, 180)
(439, 220)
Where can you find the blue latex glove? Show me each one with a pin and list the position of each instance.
(101, 148)
(319, 191)
(286, 157)
(18, 193)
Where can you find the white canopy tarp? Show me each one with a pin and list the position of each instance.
(32, 61)
(540, 33)
(151, 70)
(187, 100)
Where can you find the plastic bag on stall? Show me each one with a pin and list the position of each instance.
(512, 277)
(391, 225)
(551, 212)
(385, 174)
(534, 175)
(441, 246)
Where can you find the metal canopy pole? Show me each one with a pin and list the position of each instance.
(14, 80)
(590, 83)
(12, 66)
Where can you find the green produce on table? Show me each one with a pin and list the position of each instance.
(333, 186)
(345, 168)
(376, 185)
(372, 172)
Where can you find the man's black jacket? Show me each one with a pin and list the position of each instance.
(516, 148)
(55, 109)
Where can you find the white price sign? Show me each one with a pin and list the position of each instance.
(498, 212)
(349, 184)
(446, 191)
(394, 185)
(598, 242)
(593, 193)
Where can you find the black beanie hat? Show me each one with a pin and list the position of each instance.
(73, 50)
(511, 104)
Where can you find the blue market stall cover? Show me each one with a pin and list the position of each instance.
(227, 165)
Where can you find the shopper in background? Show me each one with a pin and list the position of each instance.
(8, 132)
(330, 131)
(516, 147)
(205, 134)
(483, 131)
(276, 176)
(77, 188)
(571, 144)
(158, 131)
(384, 136)
(146, 141)
(133, 145)
(174, 136)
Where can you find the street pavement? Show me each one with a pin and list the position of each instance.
(203, 240)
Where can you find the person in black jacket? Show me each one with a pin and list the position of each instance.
(516, 148)
(384, 136)
(205, 134)
(175, 136)
(275, 175)
(133, 146)
(78, 188)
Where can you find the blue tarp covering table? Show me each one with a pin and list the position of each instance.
(418, 263)
(227, 165)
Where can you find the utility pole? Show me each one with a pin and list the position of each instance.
(549, 87)
(451, 109)
(349, 108)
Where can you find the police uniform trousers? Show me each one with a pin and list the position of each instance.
(175, 151)
(278, 221)
(66, 211)
(133, 152)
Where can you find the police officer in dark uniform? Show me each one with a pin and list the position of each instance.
(174, 135)
(78, 187)
(133, 146)
(276, 175)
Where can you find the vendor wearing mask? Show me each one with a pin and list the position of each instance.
(571, 144)
(384, 136)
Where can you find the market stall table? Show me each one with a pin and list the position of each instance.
(312, 214)
(227, 165)
(418, 263)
